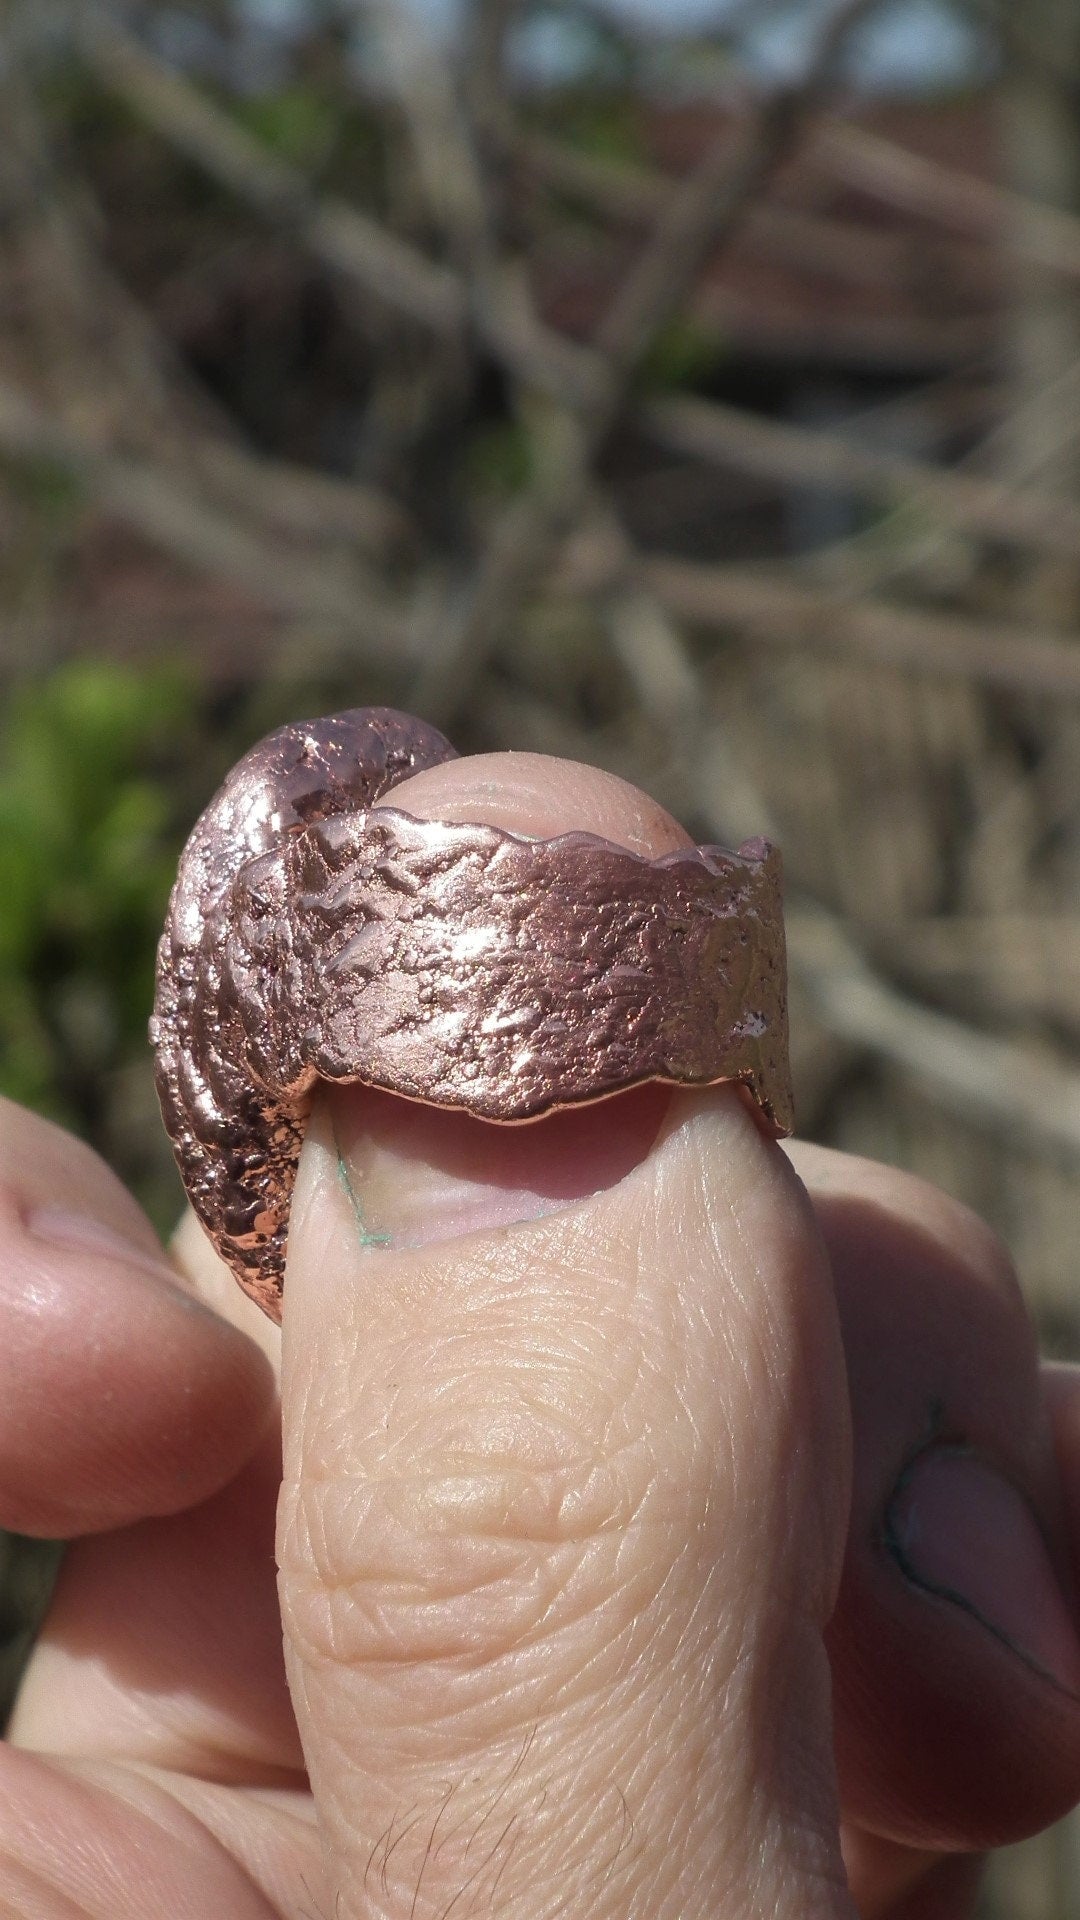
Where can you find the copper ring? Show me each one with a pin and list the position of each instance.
(310, 937)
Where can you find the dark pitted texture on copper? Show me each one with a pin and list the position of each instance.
(310, 938)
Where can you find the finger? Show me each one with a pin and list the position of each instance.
(120, 1396)
(82, 1842)
(893, 1882)
(163, 1644)
(565, 1486)
(163, 1640)
(954, 1644)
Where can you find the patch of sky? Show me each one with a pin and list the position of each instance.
(910, 46)
(905, 46)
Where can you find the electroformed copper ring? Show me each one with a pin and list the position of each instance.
(310, 937)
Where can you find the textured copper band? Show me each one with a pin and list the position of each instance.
(310, 937)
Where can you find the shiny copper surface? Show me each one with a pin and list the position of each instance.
(309, 937)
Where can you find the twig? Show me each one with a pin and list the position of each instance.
(911, 533)
(154, 503)
(943, 195)
(629, 194)
(789, 612)
(300, 501)
(116, 352)
(700, 212)
(1001, 1085)
(1045, 235)
(813, 457)
(703, 211)
(446, 158)
(346, 240)
(1018, 961)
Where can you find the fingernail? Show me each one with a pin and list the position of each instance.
(414, 1174)
(960, 1531)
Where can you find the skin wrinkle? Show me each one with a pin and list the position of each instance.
(658, 1709)
(406, 1522)
(579, 1791)
(642, 1909)
(761, 1337)
(540, 1640)
(794, 1791)
(344, 1621)
(543, 1629)
(612, 1641)
(659, 1706)
(147, 1792)
(267, 1862)
(767, 1852)
(741, 1344)
(508, 1633)
(589, 1678)
(715, 1788)
(508, 1468)
(24, 1878)
(475, 1836)
(332, 1575)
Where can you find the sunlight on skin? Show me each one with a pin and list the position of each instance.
(137, 1664)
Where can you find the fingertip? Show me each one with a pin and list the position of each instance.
(954, 1652)
(43, 1166)
(121, 1397)
(538, 794)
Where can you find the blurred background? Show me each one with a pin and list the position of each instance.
(690, 386)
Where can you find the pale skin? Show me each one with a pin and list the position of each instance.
(611, 1452)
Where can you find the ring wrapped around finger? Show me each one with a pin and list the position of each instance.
(316, 933)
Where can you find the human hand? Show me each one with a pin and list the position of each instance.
(570, 1468)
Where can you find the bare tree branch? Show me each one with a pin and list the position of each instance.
(700, 212)
(112, 345)
(1045, 235)
(346, 240)
(623, 193)
(156, 505)
(1025, 963)
(813, 457)
(998, 1084)
(445, 155)
(704, 210)
(789, 612)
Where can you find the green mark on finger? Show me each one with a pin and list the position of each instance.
(367, 1238)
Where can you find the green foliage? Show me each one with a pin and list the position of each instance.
(296, 123)
(683, 355)
(604, 122)
(87, 853)
(50, 490)
(498, 460)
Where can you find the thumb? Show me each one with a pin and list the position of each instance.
(566, 1472)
